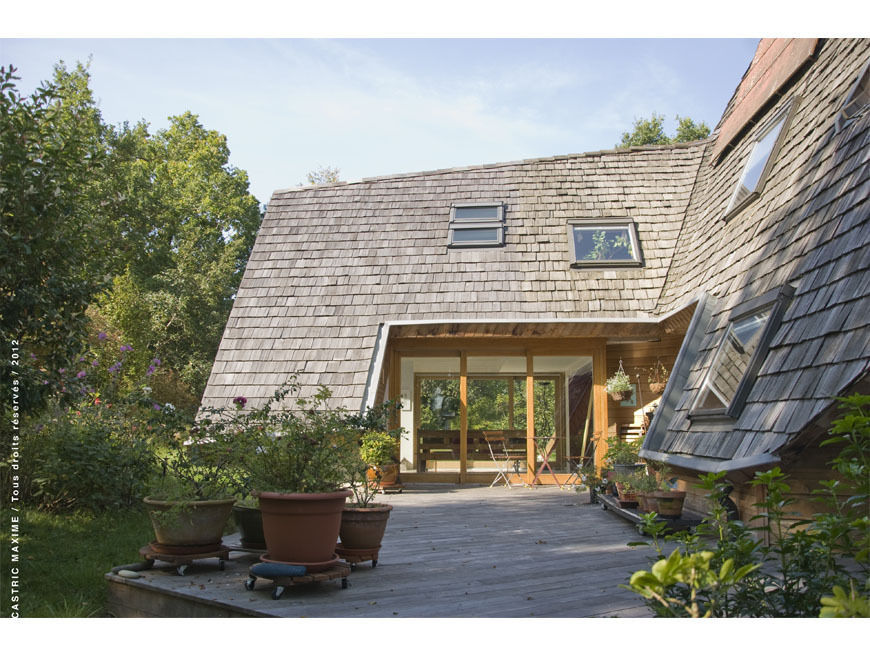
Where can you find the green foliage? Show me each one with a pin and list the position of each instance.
(324, 175)
(52, 244)
(650, 131)
(606, 246)
(189, 226)
(792, 568)
(619, 382)
(379, 448)
(621, 452)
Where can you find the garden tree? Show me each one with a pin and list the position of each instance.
(189, 223)
(54, 235)
(651, 132)
(324, 175)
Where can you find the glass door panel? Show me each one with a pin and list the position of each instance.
(438, 424)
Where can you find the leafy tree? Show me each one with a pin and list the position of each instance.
(324, 175)
(650, 131)
(189, 223)
(52, 148)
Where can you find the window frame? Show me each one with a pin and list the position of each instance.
(777, 302)
(784, 116)
(463, 224)
(605, 223)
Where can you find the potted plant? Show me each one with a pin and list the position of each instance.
(658, 378)
(249, 520)
(645, 485)
(299, 472)
(622, 455)
(191, 500)
(379, 451)
(625, 486)
(665, 500)
(618, 386)
(363, 522)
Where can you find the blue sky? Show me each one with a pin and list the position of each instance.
(373, 106)
(377, 107)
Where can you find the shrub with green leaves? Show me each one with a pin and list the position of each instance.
(782, 567)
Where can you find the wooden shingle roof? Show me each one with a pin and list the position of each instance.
(332, 263)
(810, 228)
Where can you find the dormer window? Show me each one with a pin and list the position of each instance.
(476, 225)
(740, 355)
(603, 243)
(858, 98)
(761, 158)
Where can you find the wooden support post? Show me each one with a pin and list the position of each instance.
(599, 415)
(530, 418)
(463, 417)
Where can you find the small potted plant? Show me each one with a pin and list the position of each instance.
(618, 386)
(622, 455)
(379, 450)
(363, 522)
(666, 500)
(658, 378)
(627, 489)
(645, 484)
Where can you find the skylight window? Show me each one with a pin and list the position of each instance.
(476, 225)
(740, 355)
(757, 167)
(603, 243)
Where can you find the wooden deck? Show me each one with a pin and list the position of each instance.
(448, 552)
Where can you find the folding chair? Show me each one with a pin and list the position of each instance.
(503, 460)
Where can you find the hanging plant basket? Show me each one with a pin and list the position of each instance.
(657, 388)
(621, 395)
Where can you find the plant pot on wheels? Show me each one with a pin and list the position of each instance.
(188, 525)
(362, 529)
(250, 523)
(302, 529)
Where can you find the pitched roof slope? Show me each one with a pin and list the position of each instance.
(809, 228)
(332, 263)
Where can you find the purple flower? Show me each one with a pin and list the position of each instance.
(81, 375)
(150, 370)
(62, 370)
(45, 383)
(95, 363)
(240, 402)
(156, 362)
(32, 356)
(126, 348)
(101, 335)
(115, 367)
(156, 406)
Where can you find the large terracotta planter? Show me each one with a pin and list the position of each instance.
(250, 523)
(189, 523)
(363, 528)
(302, 528)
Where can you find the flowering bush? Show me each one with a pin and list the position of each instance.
(93, 444)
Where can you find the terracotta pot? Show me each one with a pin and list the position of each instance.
(189, 523)
(250, 523)
(669, 504)
(657, 388)
(363, 528)
(302, 528)
(626, 498)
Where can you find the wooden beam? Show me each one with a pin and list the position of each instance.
(599, 414)
(530, 417)
(463, 417)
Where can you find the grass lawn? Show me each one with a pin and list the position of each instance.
(62, 559)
